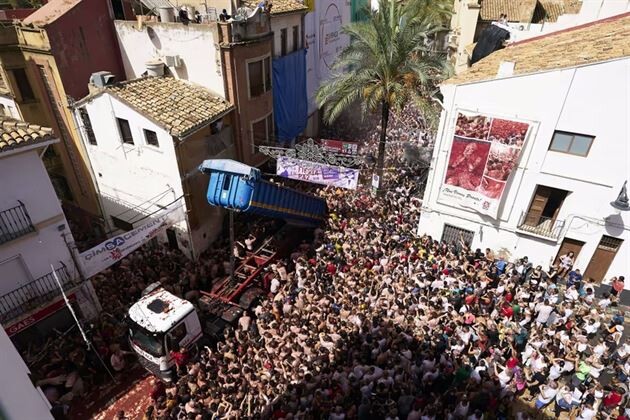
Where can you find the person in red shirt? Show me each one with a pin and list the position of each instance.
(181, 357)
(612, 399)
(158, 389)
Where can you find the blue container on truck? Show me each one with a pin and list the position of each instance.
(236, 186)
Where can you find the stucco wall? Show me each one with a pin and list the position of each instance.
(587, 100)
(133, 179)
(196, 45)
(19, 399)
(286, 21)
(83, 41)
(24, 178)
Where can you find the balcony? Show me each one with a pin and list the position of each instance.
(15, 222)
(545, 227)
(33, 294)
(244, 28)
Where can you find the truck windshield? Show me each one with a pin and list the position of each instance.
(152, 344)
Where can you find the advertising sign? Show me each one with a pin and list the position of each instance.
(332, 15)
(98, 258)
(341, 147)
(312, 78)
(317, 173)
(37, 316)
(484, 154)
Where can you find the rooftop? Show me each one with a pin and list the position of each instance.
(550, 10)
(15, 134)
(159, 310)
(516, 10)
(50, 12)
(280, 7)
(602, 40)
(177, 105)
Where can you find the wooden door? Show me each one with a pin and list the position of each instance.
(602, 258)
(567, 246)
(537, 205)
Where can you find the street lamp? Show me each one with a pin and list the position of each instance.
(621, 203)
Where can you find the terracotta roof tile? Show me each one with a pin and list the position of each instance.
(550, 10)
(15, 133)
(177, 105)
(516, 10)
(280, 6)
(603, 40)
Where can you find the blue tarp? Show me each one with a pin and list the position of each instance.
(290, 107)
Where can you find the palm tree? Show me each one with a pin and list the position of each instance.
(388, 63)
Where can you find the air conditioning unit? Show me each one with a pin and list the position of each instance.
(173, 61)
(102, 78)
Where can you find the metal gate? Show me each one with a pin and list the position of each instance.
(452, 235)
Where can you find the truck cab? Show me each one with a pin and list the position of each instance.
(160, 323)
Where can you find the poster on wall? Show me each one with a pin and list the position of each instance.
(332, 16)
(484, 154)
(312, 80)
(317, 173)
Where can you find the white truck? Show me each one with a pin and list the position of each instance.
(160, 322)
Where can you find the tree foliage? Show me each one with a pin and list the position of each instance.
(389, 60)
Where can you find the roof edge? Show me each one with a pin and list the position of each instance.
(595, 63)
(572, 28)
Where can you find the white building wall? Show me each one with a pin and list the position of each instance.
(590, 11)
(286, 21)
(324, 41)
(8, 107)
(587, 100)
(196, 46)
(24, 178)
(133, 179)
(19, 399)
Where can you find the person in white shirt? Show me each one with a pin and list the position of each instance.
(587, 413)
(544, 311)
(547, 394)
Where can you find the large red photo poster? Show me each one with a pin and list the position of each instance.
(484, 154)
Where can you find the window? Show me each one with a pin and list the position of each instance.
(259, 76)
(262, 131)
(125, 131)
(541, 217)
(453, 235)
(283, 41)
(227, 178)
(175, 336)
(296, 38)
(61, 186)
(87, 126)
(23, 85)
(151, 138)
(573, 144)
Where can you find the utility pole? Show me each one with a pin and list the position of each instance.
(76, 320)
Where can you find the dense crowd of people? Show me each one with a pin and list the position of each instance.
(373, 322)
(370, 321)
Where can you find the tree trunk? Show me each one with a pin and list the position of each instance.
(380, 163)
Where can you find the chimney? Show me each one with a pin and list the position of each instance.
(155, 68)
(506, 69)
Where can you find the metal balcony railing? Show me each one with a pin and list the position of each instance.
(33, 294)
(541, 226)
(15, 222)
